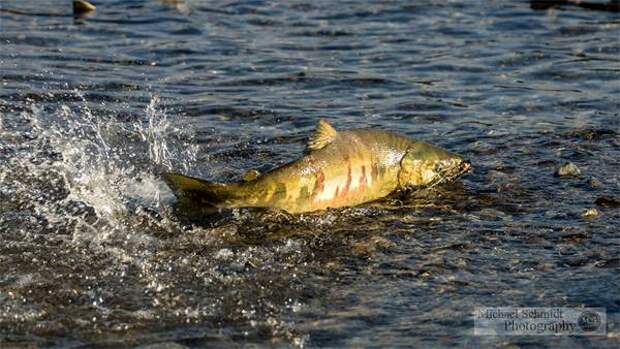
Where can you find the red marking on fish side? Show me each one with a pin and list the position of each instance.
(337, 190)
(374, 172)
(320, 183)
(345, 190)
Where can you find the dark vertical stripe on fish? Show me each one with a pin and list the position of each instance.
(319, 184)
(347, 185)
(363, 177)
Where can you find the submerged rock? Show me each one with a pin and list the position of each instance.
(591, 134)
(595, 183)
(568, 169)
(607, 201)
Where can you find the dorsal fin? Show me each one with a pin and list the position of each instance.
(324, 134)
(250, 175)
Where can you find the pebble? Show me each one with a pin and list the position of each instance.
(589, 212)
(82, 6)
(568, 169)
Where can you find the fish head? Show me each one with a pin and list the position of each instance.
(425, 165)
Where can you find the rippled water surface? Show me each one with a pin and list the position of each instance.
(93, 109)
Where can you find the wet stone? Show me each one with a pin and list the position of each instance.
(82, 6)
(611, 263)
(568, 169)
(595, 183)
(591, 134)
(589, 212)
(607, 201)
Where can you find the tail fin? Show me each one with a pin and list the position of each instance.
(198, 191)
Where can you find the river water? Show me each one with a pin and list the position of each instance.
(94, 108)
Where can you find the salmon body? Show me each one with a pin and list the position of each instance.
(340, 169)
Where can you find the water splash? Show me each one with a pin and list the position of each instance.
(156, 131)
(87, 170)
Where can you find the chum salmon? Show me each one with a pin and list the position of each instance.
(340, 169)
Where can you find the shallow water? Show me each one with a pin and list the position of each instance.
(93, 109)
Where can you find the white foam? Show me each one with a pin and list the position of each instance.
(107, 165)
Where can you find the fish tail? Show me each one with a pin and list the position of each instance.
(194, 190)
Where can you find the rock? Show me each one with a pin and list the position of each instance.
(595, 183)
(568, 169)
(369, 246)
(589, 213)
(592, 134)
(610, 263)
(82, 6)
(607, 201)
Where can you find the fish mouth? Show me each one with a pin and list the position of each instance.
(447, 175)
(453, 173)
(457, 171)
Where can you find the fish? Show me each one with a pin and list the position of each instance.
(339, 169)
